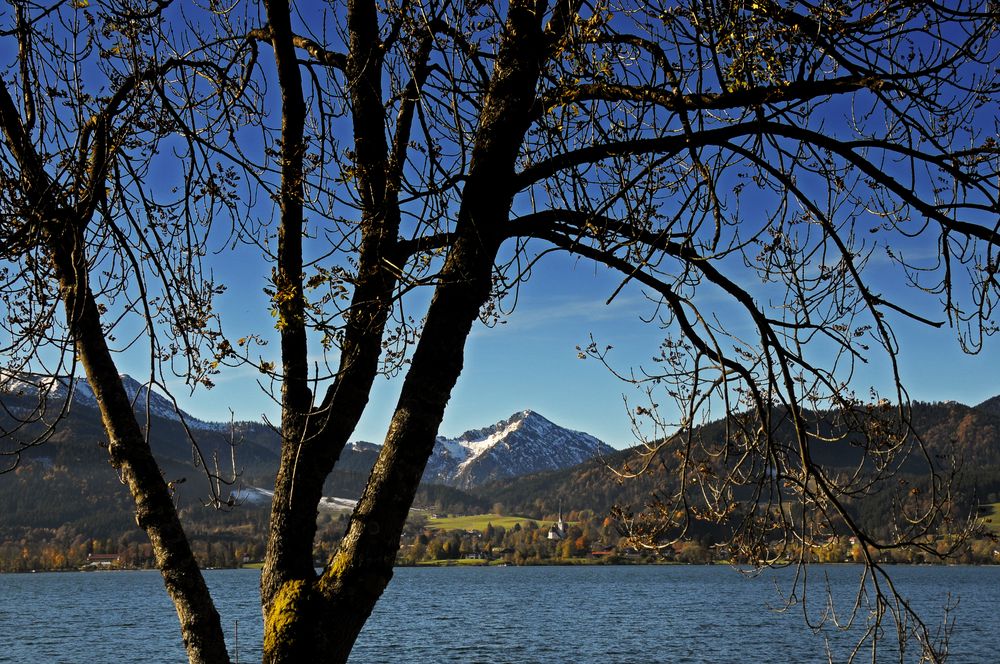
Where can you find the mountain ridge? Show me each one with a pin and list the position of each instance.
(143, 396)
(524, 443)
(66, 485)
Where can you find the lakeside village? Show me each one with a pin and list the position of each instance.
(579, 538)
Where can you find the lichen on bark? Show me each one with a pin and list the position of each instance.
(284, 613)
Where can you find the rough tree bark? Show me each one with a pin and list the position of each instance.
(132, 457)
(314, 435)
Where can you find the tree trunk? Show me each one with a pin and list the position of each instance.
(131, 455)
(292, 524)
(62, 232)
(313, 437)
(321, 621)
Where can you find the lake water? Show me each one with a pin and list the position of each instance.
(534, 614)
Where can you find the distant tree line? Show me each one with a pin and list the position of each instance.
(589, 537)
(62, 549)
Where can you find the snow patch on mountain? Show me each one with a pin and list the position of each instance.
(257, 496)
(334, 504)
(362, 446)
(254, 495)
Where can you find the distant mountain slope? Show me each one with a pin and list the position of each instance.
(991, 406)
(522, 444)
(971, 433)
(68, 479)
(951, 432)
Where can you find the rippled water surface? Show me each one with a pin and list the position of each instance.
(536, 614)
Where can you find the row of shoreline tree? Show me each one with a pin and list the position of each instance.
(590, 539)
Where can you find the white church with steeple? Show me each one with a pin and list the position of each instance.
(558, 531)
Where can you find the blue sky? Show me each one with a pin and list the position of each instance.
(531, 360)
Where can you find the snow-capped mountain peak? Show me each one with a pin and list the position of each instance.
(144, 399)
(524, 443)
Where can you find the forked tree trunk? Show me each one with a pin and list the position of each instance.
(321, 621)
(308, 620)
(314, 436)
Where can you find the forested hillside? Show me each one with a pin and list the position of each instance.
(64, 502)
(950, 435)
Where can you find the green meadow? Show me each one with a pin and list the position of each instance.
(476, 522)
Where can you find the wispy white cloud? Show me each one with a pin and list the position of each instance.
(554, 312)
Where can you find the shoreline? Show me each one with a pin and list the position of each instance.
(598, 563)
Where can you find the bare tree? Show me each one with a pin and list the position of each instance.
(90, 242)
(763, 155)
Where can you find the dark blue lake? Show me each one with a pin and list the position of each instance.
(536, 614)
